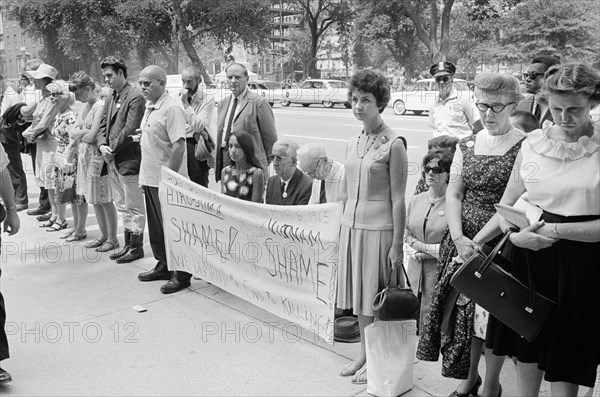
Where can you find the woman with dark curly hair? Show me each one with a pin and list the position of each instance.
(373, 187)
(562, 248)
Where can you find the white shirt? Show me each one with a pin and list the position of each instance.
(332, 185)
(228, 115)
(453, 116)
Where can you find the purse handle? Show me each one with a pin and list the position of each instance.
(394, 272)
(495, 251)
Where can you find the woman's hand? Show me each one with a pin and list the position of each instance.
(395, 256)
(531, 238)
(68, 168)
(465, 247)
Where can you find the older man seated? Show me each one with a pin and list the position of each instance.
(327, 173)
(289, 186)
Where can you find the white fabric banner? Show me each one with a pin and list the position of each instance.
(280, 258)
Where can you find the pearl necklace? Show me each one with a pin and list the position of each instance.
(374, 134)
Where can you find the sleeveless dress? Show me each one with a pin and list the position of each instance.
(484, 179)
(367, 224)
(90, 165)
(238, 186)
(566, 186)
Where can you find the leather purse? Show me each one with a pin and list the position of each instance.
(395, 303)
(516, 305)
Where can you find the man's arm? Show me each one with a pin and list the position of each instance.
(266, 125)
(12, 224)
(199, 119)
(176, 131)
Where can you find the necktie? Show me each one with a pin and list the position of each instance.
(283, 192)
(230, 121)
(322, 195)
(537, 111)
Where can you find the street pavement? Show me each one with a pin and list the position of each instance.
(73, 331)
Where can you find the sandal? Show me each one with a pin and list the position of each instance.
(77, 237)
(352, 368)
(48, 223)
(58, 226)
(68, 233)
(95, 244)
(360, 378)
(108, 246)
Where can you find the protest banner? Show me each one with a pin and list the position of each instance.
(280, 258)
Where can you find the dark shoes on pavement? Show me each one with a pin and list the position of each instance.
(174, 285)
(21, 207)
(4, 376)
(44, 217)
(133, 250)
(38, 211)
(152, 275)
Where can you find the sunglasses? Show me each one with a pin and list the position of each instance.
(442, 79)
(435, 170)
(145, 84)
(532, 75)
(496, 108)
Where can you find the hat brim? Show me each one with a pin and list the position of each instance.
(442, 73)
(37, 75)
(344, 339)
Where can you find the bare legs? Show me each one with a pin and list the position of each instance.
(493, 367)
(106, 215)
(356, 367)
(80, 213)
(467, 385)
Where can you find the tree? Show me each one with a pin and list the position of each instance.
(78, 29)
(319, 16)
(227, 21)
(558, 27)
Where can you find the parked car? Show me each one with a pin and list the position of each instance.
(272, 90)
(327, 92)
(422, 96)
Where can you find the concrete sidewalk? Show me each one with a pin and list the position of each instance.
(72, 331)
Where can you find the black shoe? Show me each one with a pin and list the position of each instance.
(132, 255)
(4, 376)
(473, 391)
(38, 211)
(21, 207)
(126, 247)
(44, 218)
(174, 285)
(152, 275)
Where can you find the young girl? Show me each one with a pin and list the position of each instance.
(243, 178)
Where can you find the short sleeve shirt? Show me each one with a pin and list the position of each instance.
(163, 125)
(453, 116)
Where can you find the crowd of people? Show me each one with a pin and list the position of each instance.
(481, 155)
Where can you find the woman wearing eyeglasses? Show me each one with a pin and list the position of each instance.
(480, 170)
(562, 248)
(425, 227)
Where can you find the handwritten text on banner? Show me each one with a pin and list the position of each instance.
(280, 258)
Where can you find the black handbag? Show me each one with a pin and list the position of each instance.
(516, 305)
(395, 303)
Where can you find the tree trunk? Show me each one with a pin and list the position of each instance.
(188, 43)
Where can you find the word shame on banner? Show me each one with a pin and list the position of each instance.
(280, 258)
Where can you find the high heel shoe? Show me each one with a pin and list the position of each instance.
(500, 391)
(473, 391)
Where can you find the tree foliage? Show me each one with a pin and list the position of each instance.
(562, 27)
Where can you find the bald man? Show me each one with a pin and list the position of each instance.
(162, 139)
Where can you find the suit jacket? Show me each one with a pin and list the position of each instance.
(298, 190)
(119, 122)
(254, 115)
(526, 104)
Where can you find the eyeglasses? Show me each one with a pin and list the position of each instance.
(496, 108)
(145, 84)
(313, 171)
(435, 170)
(532, 75)
(442, 79)
(278, 158)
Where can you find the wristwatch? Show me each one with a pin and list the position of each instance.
(555, 235)
(11, 208)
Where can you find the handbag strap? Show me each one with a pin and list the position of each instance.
(495, 251)
(394, 276)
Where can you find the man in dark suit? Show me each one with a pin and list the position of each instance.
(123, 113)
(534, 79)
(289, 186)
(244, 110)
